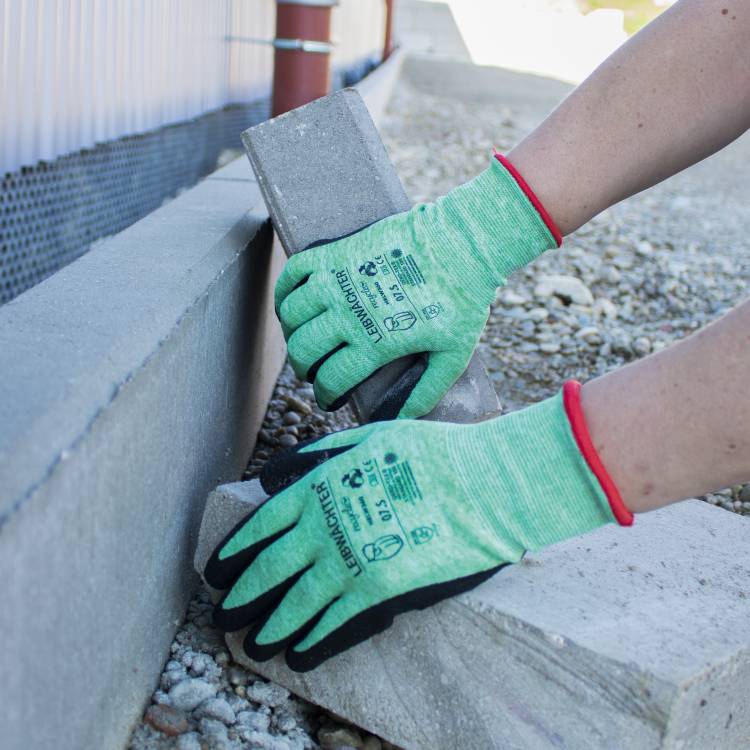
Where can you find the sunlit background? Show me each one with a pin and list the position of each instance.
(563, 39)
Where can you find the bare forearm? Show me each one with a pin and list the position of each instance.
(677, 424)
(675, 93)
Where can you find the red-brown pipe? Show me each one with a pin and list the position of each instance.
(299, 76)
(388, 42)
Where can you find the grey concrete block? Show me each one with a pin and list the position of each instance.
(630, 638)
(133, 381)
(324, 172)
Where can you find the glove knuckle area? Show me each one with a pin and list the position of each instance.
(313, 343)
(297, 613)
(264, 581)
(336, 375)
(302, 305)
(295, 271)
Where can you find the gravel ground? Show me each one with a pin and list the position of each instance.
(635, 279)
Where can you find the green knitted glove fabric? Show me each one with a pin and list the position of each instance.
(408, 513)
(417, 282)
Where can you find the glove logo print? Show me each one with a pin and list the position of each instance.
(400, 321)
(353, 479)
(383, 548)
(336, 530)
(368, 269)
(357, 307)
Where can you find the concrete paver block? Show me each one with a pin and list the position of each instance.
(631, 639)
(324, 172)
(133, 381)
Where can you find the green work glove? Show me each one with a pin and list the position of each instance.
(405, 514)
(417, 282)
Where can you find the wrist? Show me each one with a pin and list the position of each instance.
(498, 217)
(581, 434)
(536, 485)
(532, 197)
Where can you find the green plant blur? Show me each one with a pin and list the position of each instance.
(637, 12)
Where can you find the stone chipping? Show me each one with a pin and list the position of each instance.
(635, 279)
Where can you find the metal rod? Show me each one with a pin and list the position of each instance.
(306, 45)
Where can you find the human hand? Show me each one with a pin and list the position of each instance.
(402, 515)
(417, 282)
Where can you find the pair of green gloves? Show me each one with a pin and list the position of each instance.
(398, 515)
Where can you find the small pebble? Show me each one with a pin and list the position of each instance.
(604, 308)
(336, 738)
(267, 694)
(167, 720)
(298, 405)
(189, 694)
(287, 440)
(254, 720)
(237, 676)
(291, 417)
(642, 346)
(568, 288)
(550, 347)
(285, 722)
(212, 728)
(217, 708)
(189, 741)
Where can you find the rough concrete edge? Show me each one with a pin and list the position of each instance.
(694, 694)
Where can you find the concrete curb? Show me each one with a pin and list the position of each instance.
(134, 381)
(376, 88)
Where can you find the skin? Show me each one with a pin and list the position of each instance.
(674, 94)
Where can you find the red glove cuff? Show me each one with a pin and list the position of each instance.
(529, 193)
(574, 410)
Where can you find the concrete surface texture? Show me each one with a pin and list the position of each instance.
(324, 173)
(133, 381)
(620, 639)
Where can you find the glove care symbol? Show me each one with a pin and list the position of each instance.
(431, 311)
(383, 548)
(353, 479)
(400, 321)
(368, 269)
(423, 534)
